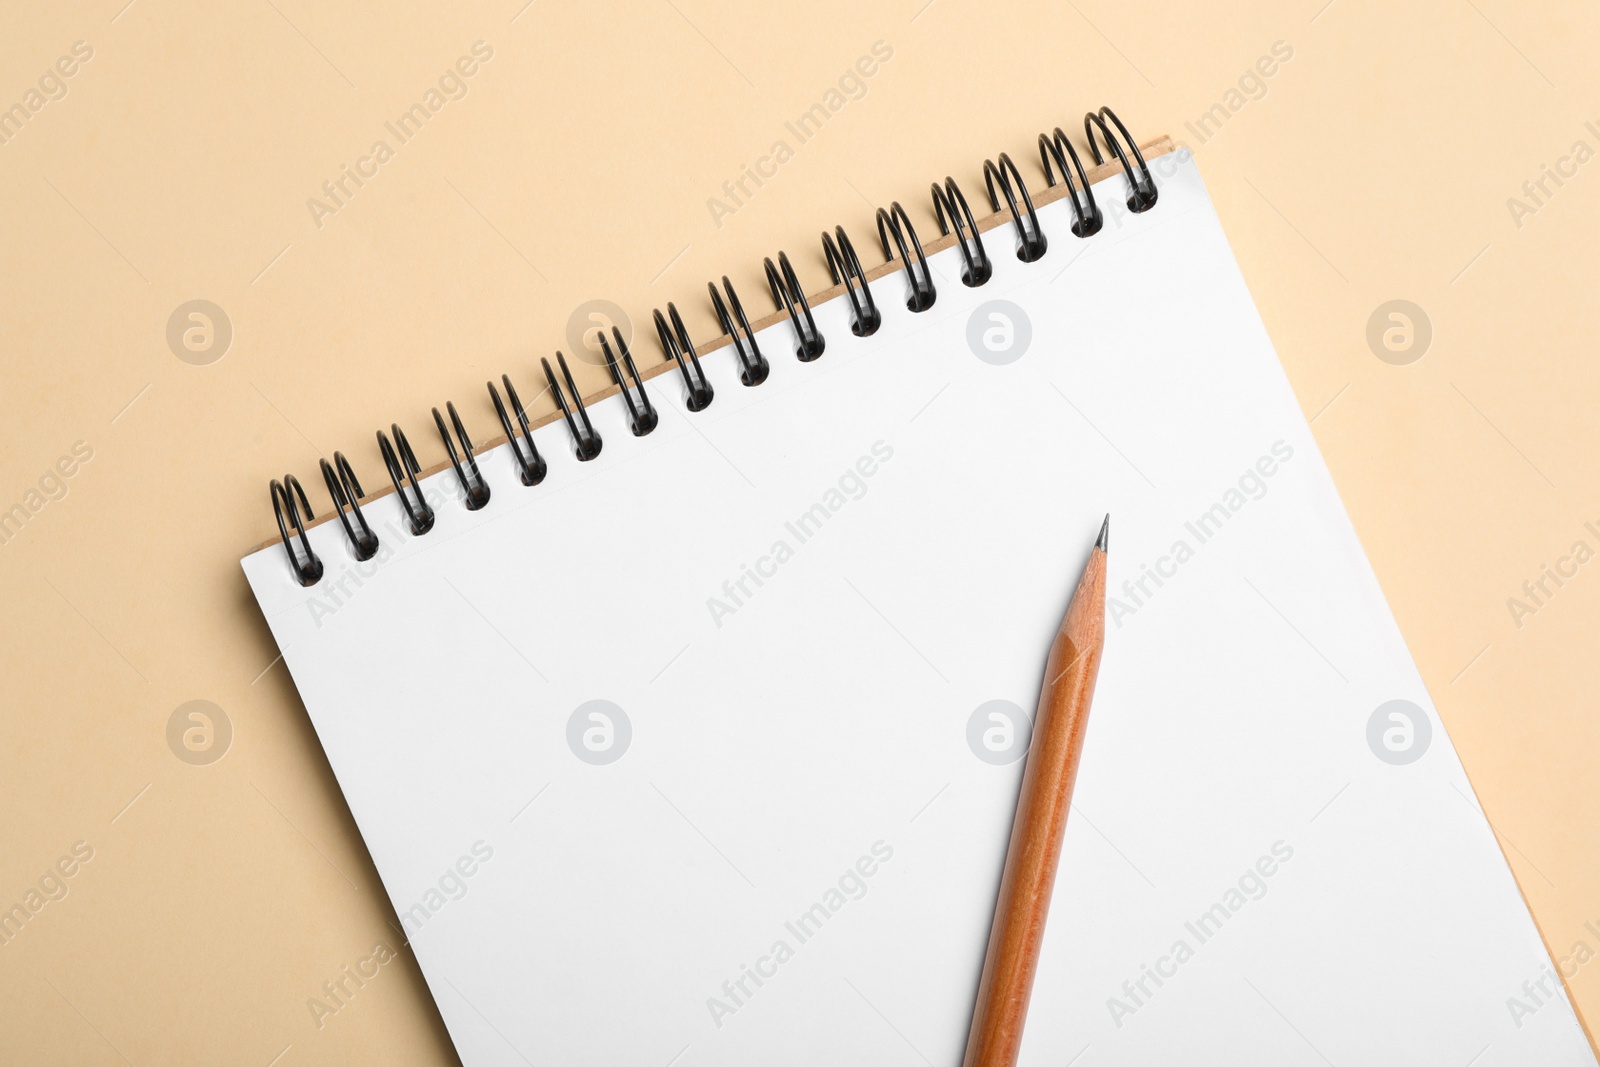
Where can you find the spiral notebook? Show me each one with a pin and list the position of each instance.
(703, 749)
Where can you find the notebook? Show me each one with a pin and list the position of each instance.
(704, 749)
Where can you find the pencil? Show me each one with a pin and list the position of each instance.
(1041, 820)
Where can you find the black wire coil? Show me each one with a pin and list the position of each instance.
(531, 466)
(585, 441)
(1031, 239)
(895, 221)
(475, 488)
(1088, 220)
(787, 296)
(642, 417)
(309, 570)
(345, 490)
(403, 467)
(1143, 196)
(677, 345)
(976, 268)
(754, 367)
(845, 269)
(898, 238)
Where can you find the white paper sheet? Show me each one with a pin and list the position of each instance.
(1245, 879)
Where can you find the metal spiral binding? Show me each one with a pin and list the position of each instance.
(896, 234)
(283, 496)
(1033, 243)
(476, 489)
(403, 467)
(1143, 196)
(642, 417)
(845, 269)
(343, 487)
(585, 441)
(895, 221)
(754, 366)
(675, 342)
(787, 295)
(976, 268)
(531, 466)
(1088, 220)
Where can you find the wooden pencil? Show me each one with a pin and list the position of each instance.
(1041, 821)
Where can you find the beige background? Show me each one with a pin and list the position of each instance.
(1376, 165)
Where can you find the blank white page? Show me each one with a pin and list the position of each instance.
(795, 857)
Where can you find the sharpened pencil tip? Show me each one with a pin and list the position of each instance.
(1105, 534)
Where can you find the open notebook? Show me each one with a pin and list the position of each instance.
(705, 750)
